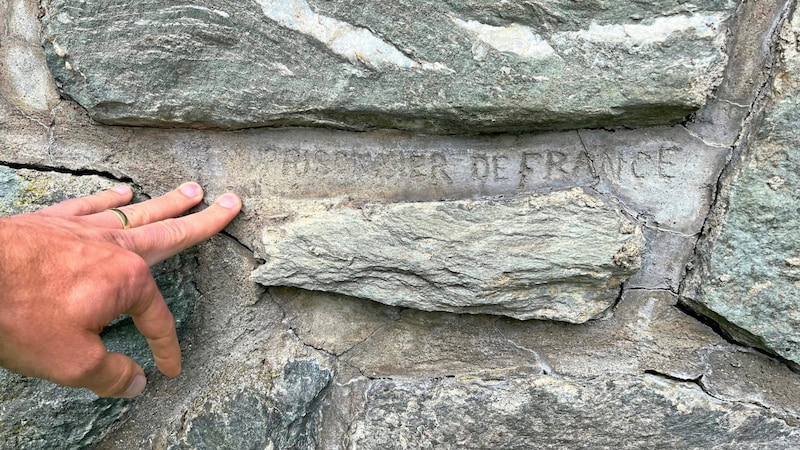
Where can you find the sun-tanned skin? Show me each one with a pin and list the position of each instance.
(68, 270)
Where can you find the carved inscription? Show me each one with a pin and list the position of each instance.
(343, 167)
(442, 172)
(551, 165)
(645, 164)
(435, 167)
(439, 167)
(663, 174)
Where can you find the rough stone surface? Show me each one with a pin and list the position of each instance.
(752, 279)
(555, 413)
(285, 418)
(38, 414)
(25, 81)
(430, 66)
(25, 191)
(560, 256)
(434, 345)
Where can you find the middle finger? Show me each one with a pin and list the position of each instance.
(171, 204)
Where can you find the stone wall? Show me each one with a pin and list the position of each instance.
(466, 224)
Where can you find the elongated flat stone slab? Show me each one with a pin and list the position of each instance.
(441, 67)
(624, 413)
(559, 256)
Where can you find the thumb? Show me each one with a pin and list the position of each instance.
(117, 376)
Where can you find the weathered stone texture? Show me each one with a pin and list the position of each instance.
(430, 66)
(247, 419)
(25, 81)
(559, 256)
(24, 190)
(552, 413)
(752, 281)
(556, 413)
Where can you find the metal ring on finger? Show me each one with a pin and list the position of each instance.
(126, 224)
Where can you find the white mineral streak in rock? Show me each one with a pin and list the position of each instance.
(559, 256)
(203, 8)
(524, 42)
(516, 39)
(701, 26)
(282, 69)
(357, 45)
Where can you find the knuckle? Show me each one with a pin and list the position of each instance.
(124, 256)
(173, 232)
(139, 216)
(82, 205)
(120, 382)
(137, 270)
(137, 265)
(121, 239)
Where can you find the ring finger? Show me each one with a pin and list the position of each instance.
(171, 204)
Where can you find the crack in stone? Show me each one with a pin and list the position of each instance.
(701, 139)
(718, 329)
(50, 128)
(696, 380)
(709, 322)
(700, 383)
(653, 290)
(337, 357)
(236, 241)
(589, 158)
(538, 360)
(631, 213)
(358, 344)
(610, 310)
(668, 231)
(737, 155)
(74, 172)
(297, 338)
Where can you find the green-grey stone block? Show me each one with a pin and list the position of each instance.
(560, 256)
(442, 67)
(602, 413)
(752, 283)
(248, 418)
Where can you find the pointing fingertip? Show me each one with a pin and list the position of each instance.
(230, 201)
(122, 189)
(191, 189)
(136, 387)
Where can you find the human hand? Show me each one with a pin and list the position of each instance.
(70, 269)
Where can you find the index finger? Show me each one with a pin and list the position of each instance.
(158, 241)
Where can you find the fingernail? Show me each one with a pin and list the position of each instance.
(229, 201)
(122, 189)
(136, 387)
(191, 190)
